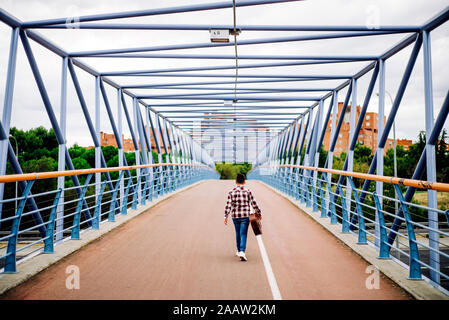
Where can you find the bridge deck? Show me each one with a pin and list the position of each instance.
(180, 249)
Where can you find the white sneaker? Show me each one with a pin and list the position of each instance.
(237, 254)
(242, 256)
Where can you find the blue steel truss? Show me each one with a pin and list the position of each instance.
(227, 111)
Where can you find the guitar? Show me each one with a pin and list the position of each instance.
(256, 224)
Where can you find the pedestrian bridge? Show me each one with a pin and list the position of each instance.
(153, 228)
(180, 249)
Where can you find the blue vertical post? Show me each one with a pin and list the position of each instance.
(304, 127)
(150, 154)
(380, 150)
(7, 107)
(361, 219)
(10, 260)
(61, 149)
(414, 265)
(97, 212)
(77, 216)
(48, 242)
(140, 142)
(136, 192)
(318, 141)
(124, 210)
(175, 155)
(159, 168)
(310, 128)
(434, 259)
(143, 149)
(330, 157)
(350, 151)
(384, 253)
(111, 214)
(322, 199)
(121, 154)
(98, 194)
(312, 150)
(344, 211)
(331, 200)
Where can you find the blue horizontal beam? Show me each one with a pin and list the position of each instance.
(151, 86)
(231, 43)
(239, 118)
(266, 127)
(232, 57)
(198, 27)
(233, 114)
(203, 94)
(228, 109)
(152, 12)
(220, 104)
(235, 109)
(249, 98)
(213, 68)
(279, 121)
(252, 89)
(256, 76)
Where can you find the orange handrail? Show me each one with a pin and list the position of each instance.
(55, 174)
(438, 186)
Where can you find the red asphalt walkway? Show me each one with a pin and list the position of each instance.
(180, 249)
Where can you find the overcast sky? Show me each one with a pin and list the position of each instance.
(28, 110)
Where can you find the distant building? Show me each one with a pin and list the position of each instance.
(405, 143)
(108, 139)
(240, 143)
(367, 136)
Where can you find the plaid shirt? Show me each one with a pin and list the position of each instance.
(238, 204)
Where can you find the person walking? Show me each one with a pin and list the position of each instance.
(238, 205)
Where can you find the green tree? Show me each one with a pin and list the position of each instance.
(230, 170)
(76, 151)
(89, 156)
(362, 154)
(109, 152)
(80, 163)
(41, 165)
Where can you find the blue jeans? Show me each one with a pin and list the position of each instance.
(241, 232)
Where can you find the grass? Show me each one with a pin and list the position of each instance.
(442, 198)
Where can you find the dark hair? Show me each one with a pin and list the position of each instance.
(240, 178)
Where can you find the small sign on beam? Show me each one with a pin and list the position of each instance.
(219, 35)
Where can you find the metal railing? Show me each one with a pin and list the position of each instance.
(62, 214)
(371, 217)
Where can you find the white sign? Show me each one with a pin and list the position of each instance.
(219, 35)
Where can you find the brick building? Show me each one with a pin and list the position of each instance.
(108, 139)
(367, 135)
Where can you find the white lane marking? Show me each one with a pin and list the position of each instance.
(270, 275)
